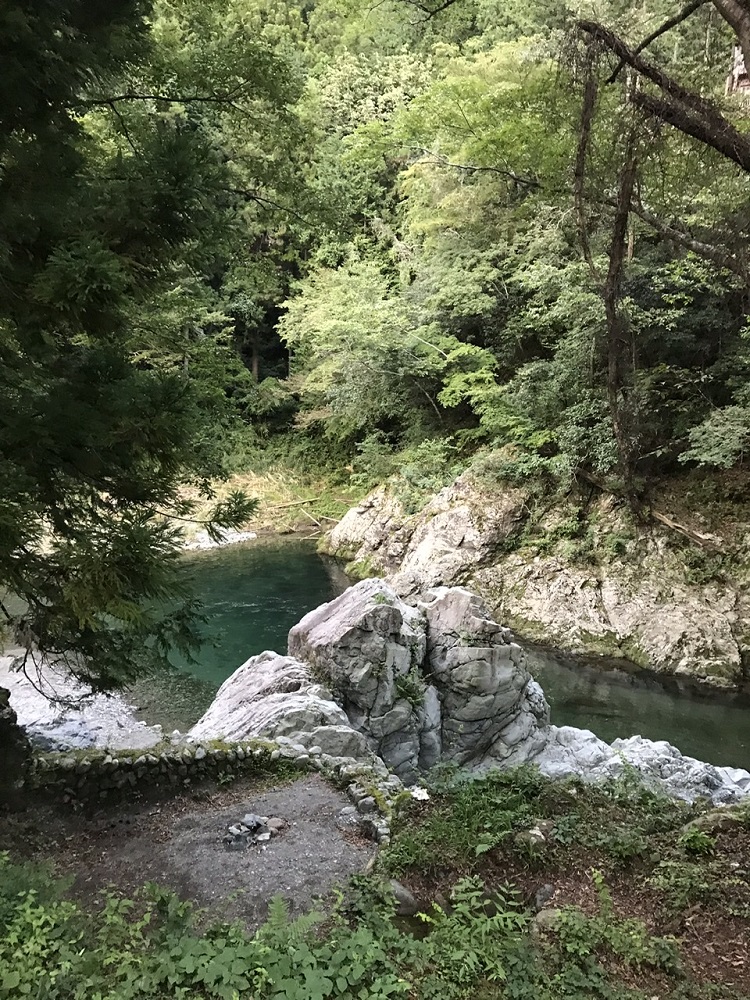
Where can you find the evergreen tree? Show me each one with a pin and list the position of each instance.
(113, 205)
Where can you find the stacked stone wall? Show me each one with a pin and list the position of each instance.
(86, 778)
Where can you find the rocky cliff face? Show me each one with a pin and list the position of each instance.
(628, 600)
(371, 677)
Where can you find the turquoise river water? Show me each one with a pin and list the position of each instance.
(253, 594)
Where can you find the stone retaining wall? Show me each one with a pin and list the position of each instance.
(86, 777)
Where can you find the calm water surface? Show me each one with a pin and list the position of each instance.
(614, 704)
(253, 593)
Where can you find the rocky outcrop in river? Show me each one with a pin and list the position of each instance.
(370, 676)
(630, 599)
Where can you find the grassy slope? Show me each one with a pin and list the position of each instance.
(289, 501)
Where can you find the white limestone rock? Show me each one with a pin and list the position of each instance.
(271, 696)
(488, 698)
(59, 713)
(369, 646)
(226, 536)
(639, 606)
(369, 673)
(567, 751)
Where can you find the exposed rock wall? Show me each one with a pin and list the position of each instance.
(636, 606)
(416, 685)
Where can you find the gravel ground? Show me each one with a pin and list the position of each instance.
(178, 844)
(309, 857)
(59, 713)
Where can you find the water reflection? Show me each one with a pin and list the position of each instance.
(615, 704)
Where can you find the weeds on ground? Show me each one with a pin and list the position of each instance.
(465, 819)
(468, 818)
(150, 947)
(476, 941)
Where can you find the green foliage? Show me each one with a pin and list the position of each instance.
(412, 687)
(629, 939)
(241, 231)
(721, 439)
(114, 345)
(464, 821)
(476, 941)
(696, 841)
(685, 881)
(152, 948)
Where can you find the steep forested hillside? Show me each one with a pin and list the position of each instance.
(358, 239)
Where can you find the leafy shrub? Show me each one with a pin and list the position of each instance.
(629, 939)
(150, 947)
(685, 882)
(696, 841)
(721, 440)
(424, 470)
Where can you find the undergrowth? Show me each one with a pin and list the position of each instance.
(467, 853)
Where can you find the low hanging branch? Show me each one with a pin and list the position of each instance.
(431, 10)
(705, 540)
(469, 168)
(715, 131)
(662, 80)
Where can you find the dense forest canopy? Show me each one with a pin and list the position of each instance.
(364, 237)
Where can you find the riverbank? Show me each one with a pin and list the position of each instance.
(253, 592)
(289, 502)
(58, 713)
(579, 572)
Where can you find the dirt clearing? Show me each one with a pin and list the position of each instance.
(178, 844)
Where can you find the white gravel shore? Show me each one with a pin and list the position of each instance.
(91, 721)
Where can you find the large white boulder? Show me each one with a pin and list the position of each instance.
(269, 695)
(417, 685)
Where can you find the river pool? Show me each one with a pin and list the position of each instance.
(254, 592)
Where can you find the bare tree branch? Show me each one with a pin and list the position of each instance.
(717, 132)
(662, 80)
(267, 202)
(687, 111)
(588, 107)
(617, 324)
(674, 234)
(443, 161)
(431, 11)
